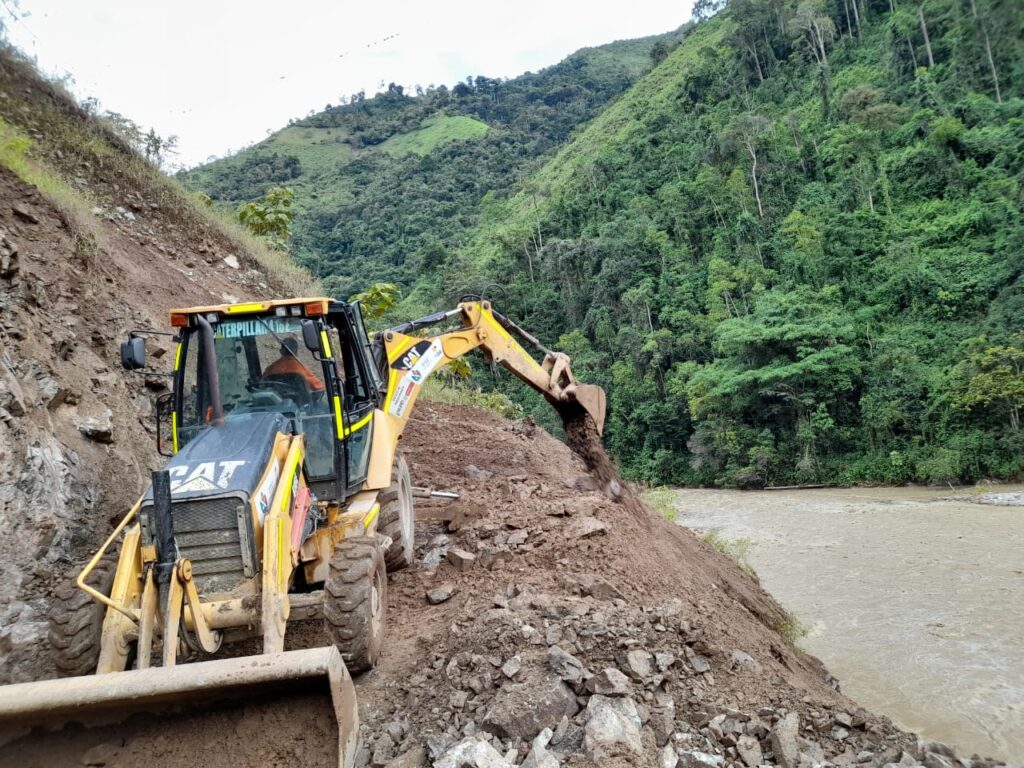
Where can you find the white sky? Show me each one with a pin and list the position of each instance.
(219, 73)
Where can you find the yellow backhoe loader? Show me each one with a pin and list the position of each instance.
(285, 498)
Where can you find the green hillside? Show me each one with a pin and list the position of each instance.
(800, 268)
(386, 186)
(791, 252)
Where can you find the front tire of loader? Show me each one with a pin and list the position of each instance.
(76, 621)
(397, 518)
(355, 601)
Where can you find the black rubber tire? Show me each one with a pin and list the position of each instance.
(76, 621)
(397, 517)
(355, 601)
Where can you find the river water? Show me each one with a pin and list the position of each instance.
(913, 597)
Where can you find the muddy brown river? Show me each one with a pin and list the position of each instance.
(914, 599)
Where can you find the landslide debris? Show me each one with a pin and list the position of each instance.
(109, 246)
(569, 630)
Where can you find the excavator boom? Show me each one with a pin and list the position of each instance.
(411, 359)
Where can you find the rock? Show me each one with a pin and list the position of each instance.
(437, 745)
(414, 758)
(24, 214)
(663, 660)
(522, 710)
(695, 759)
(584, 527)
(99, 430)
(232, 261)
(9, 266)
(639, 664)
(511, 667)
(101, 754)
(740, 659)
(933, 760)
(441, 593)
(749, 750)
(783, 740)
(517, 538)
(609, 682)
(662, 722)
(460, 558)
(539, 756)
(472, 753)
(12, 399)
(810, 752)
(844, 719)
(700, 664)
(477, 474)
(565, 665)
(668, 757)
(383, 750)
(612, 725)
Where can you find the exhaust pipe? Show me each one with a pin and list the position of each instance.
(212, 374)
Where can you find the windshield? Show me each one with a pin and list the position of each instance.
(263, 366)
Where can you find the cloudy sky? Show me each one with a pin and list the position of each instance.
(219, 73)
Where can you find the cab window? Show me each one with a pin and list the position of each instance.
(262, 366)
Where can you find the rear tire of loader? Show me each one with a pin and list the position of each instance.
(76, 621)
(355, 601)
(397, 518)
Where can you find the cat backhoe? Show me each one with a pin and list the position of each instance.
(284, 498)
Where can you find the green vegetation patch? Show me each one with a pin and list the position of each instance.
(434, 132)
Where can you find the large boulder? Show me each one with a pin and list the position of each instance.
(784, 746)
(525, 709)
(472, 753)
(613, 727)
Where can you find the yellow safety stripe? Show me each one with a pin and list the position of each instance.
(325, 342)
(289, 477)
(339, 422)
(392, 380)
(371, 515)
(177, 356)
(407, 342)
(174, 430)
(359, 424)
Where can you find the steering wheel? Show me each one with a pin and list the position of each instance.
(264, 393)
(288, 387)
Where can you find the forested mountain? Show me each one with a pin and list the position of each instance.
(385, 186)
(792, 252)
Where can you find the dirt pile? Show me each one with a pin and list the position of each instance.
(108, 248)
(556, 627)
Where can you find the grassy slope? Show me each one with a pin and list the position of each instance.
(433, 132)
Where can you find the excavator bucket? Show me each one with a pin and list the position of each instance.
(58, 722)
(594, 401)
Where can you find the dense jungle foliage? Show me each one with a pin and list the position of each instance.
(792, 252)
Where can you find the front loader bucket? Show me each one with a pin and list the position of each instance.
(183, 710)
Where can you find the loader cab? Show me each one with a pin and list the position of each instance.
(309, 360)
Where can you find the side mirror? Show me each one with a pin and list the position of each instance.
(311, 335)
(133, 353)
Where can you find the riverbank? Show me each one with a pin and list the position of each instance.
(911, 596)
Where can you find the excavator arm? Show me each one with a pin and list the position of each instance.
(412, 358)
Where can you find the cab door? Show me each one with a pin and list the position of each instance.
(359, 397)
